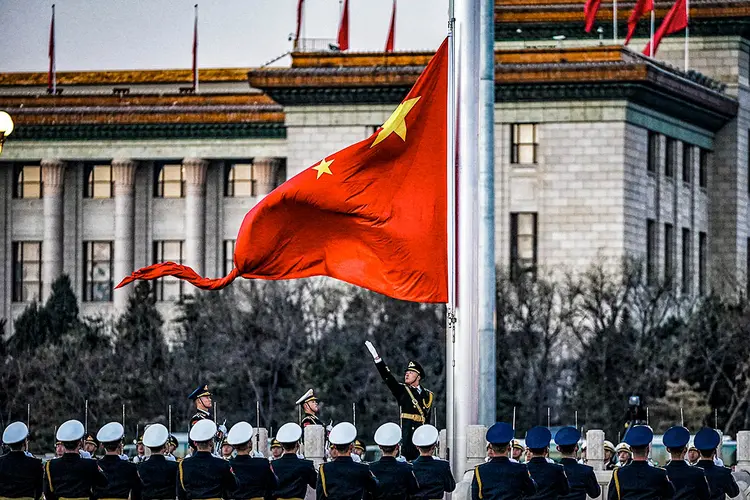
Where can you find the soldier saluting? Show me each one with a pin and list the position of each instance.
(414, 400)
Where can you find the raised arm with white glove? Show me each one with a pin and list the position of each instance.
(372, 350)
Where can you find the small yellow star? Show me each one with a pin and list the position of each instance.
(395, 123)
(322, 168)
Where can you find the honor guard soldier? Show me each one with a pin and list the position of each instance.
(254, 475)
(551, 481)
(203, 400)
(359, 450)
(204, 475)
(433, 475)
(343, 478)
(122, 476)
(172, 444)
(396, 479)
(624, 454)
(294, 474)
(581, 478)
(90, 445)
(20, 474)
(640, 480)
(499, 478)
(693, 455)
(309, 404)
(72, 477)
(158, 474)
(140, 450)
(414, 400)
(689, 482)
(720, 480)
(516, 451)
(276, 450)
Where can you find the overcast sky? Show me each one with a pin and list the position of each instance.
(148, 34)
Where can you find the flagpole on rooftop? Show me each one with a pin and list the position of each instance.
(687, 35)
(614, 21)
(52, 75)
(653, 28)
(195, 51)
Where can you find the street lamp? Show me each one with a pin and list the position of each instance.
(6, 128)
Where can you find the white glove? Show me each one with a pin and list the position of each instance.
(372, 350)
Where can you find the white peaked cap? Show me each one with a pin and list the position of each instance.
(240, 433)
(72, 430)
(343, 433)
(155, 436)
(425, 435)
(388, 434)
(289, 433)
(203, 430)
(110, 433)
(305, 397)
(15, 433)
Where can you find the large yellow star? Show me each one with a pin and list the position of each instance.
(323, 168)
(395, 123)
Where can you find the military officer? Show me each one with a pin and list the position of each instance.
(581, 478)
(254, 475)
(309, 404)
(140, 450)
(205, 475)
(90, 445)
(550, 478)
(414, 400)
(359, 451)
(20, 475)
(122, 476)
(172, 444)
(276, 450)
(499, 478)
(294, 474)
(396, 479)
(693, 455)
(343, 477)
(610, 460)
(71, 476)
(157, 474)
(640, 479)
(226, 449)
(624, 454)
(433, 475)
(516, 451)
(689, 482)
(720, 480)
(203, 403)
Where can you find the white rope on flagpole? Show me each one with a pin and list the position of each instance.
(653, 27)
(687, 35)
(614, 21)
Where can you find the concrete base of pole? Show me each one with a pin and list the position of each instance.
(315, 444)
(476, 446)
(261, 441)
(595, 449)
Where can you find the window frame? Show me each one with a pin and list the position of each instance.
(230, 180)
(516, 145)
(669, 268)
(516, 270)
(703, 169)
(89, 264)
(702, 262)
(19, 182)
(670, 155)
(651, 251)
(89, 185)
(18, 282)
(687, 261)
(687, 163)
(228, 247)
(158, 256)
(652, 153)
(159, 181)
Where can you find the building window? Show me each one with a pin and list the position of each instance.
(169, 181)
(99, 183)
(687, 261)
(668, 255)
(670, 156)
(27, 271)
(523, 244)
(524, 143)
(228, 256)
(687, 163)
(703, 169)
(98, 265)
(27, 181)
(702, 256)
(653, 148)
(239, 180)
(168, 288)
(651, 251)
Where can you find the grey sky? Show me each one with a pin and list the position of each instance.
(148, 34)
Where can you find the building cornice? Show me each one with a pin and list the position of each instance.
(126, 77)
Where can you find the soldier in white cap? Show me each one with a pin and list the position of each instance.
(309, 404)
(294, 474)
(434, 475)
(70, 476)
(396, 479)
(343, 477)
(254, 475)
(122, 476)
(158, 474)
(205, 475)
(20, 475)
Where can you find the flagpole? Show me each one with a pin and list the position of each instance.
(614, 21)
(687, 35)
(653, 27)
(52, 63)
(195, 51)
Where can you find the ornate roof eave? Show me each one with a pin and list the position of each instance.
(126, 77)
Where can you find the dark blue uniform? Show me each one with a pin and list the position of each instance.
(158, 478)
(255, 476)
(122, 479)
(20, 476)
(396, 479)
(640, 481)
(294, 476)
(71, 476)
(689, 482)
(205, 476)
(345, 479)
(720, 480)
(550, 479)
(434, 477)
(581, 479)
(501, 479)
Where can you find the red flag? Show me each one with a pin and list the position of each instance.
(675, 20)
(195, 50)
(372, 214)
(52, 74)
(589, 11)
(343, 38)
(299, 22)
(390, 42)
(641, 8)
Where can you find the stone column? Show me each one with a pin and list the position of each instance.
(315, 444)
(261, 441)
(195, 213)
(476, 445)
(53, 172)
(595, 449)
(743, 450)
(123, 175)
(443, 443)
(265, 171)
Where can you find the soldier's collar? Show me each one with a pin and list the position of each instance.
(204, 412)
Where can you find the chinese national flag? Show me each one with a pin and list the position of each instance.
(590, 8)
(372, 214)
(675, 20)
(343, 37)
(641, 8)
